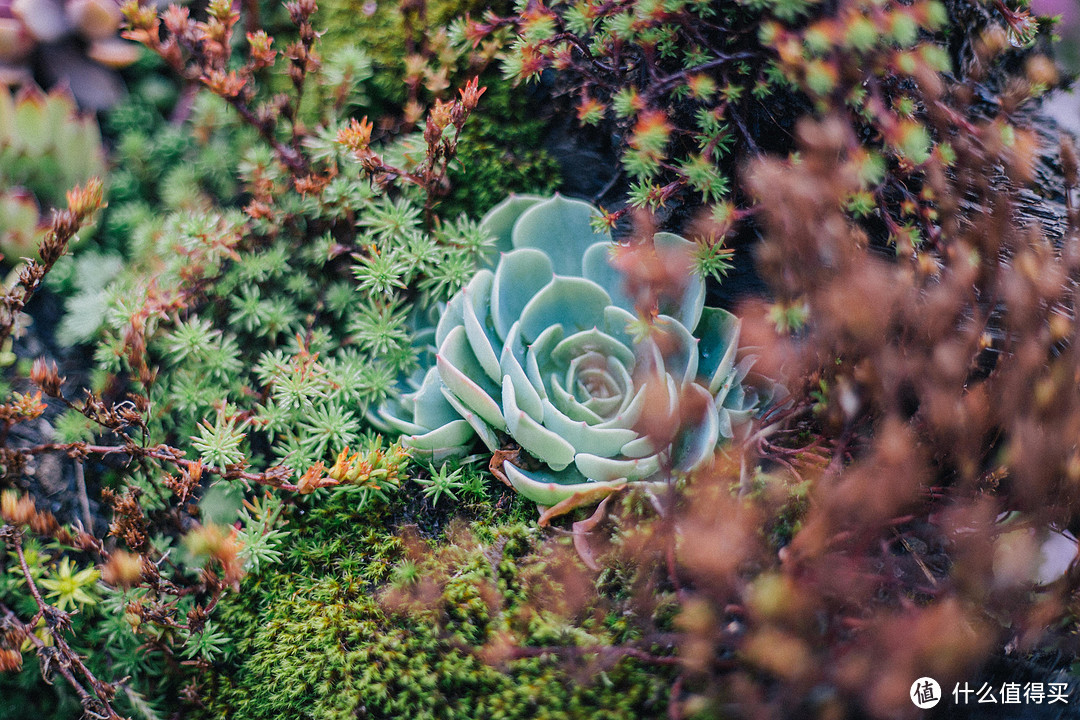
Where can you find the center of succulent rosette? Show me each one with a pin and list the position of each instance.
(599, 383)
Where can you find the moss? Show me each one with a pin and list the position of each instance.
(500, 153)
(319, 639)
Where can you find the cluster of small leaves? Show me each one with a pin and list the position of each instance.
(148, 612)
(263, 339)
(252, 346)
(451, 483)
(690, 89)
(501, 146)
(675, 81)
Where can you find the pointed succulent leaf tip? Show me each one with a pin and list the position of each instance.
(428, 422)
(562, 229)
(679, 348)
(567, 404)
(482, 337)
(461, 372)
(513, 353)
(453, 315)
(549, 488)
(532, 435)
(609, 469)
(592, 340)
(538, 364)
(31, 132)
(596, 266)
(499, 223)
(431, 408)
(482, 429)
(441, 443)
(617, 323)
(605, 442)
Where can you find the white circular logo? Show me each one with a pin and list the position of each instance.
(925, 693)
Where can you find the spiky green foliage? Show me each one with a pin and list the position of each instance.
(161, 164)
(303, 335)
(158, 166)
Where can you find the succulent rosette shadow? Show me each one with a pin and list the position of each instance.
(546, 350)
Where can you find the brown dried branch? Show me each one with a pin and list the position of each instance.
(96, 700)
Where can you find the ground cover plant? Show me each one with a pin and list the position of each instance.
(353, 434)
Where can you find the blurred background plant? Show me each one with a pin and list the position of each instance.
(70, 43)
(1067, 15)
(46, 148)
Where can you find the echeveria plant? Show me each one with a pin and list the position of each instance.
(547, 350)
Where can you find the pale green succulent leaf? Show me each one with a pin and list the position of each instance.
(519, 277)
(57, 113)
(536, 439)
(719, 333)
(462, 374)
(499, 222)
(679, 347)
(513, 352)
(453, 315)
(617, 324)
(596, 266)
(686, 309)
(540, 352)
(605, 442)
(592, 340)
(482, 338)
(564, 400)
(430, 407)
(695, 443)
(550, 488)
(641, 447)
(604, 407)
(31, 131)
(602, 469)
(481, 428)
(562, 229)
(449, 440)
(575, 303)
(628, 415)
(390, 419)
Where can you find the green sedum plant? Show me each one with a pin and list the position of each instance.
(550, 350)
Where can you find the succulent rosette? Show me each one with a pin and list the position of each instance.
(546, 350)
